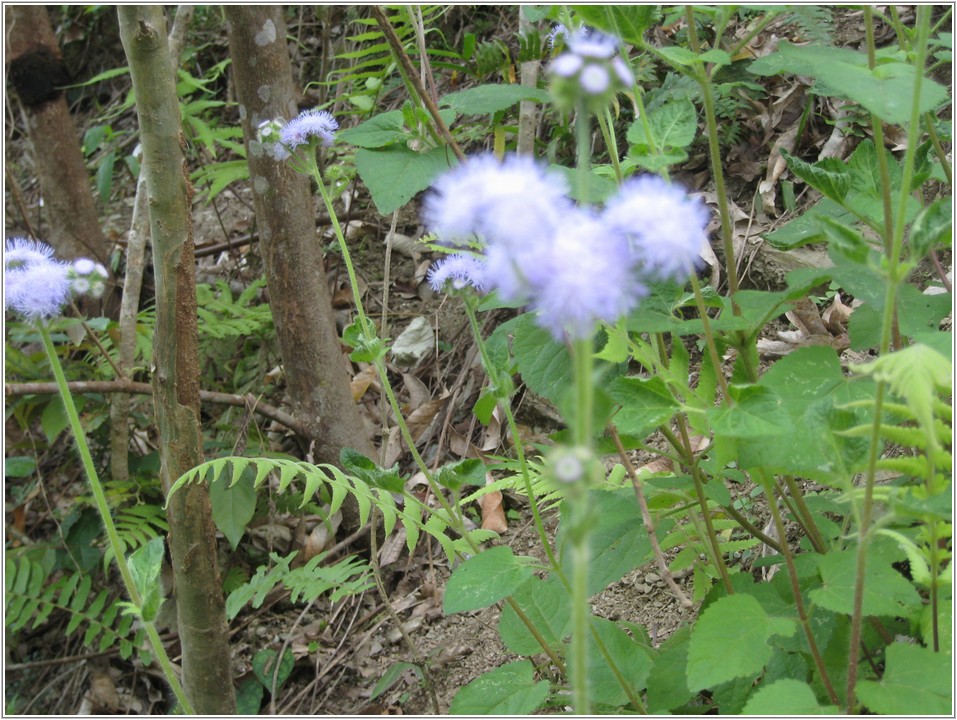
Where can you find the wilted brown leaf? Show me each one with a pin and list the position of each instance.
(493, 512)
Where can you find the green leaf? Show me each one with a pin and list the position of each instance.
(933, 227)
(19, 466)
(104, 176)
(806, 228)
(264, 666)
(145, 565)
(376, 132)
(679, 55)
(545, 365)
(887, 90)
(249, 697)
(886, 591)
(54, 418)
(547, 604)
(485, 579)
(757, 412)
(673, 125)
(645, 404)
(629, 22)
(355, 463)
(394, 175)
(598, 187)
(508, 690)
(618, 542)
(631, 658)
(233, 506)
(389, 678)
(917, 681)
(786, 697)
(667, 682)
(489, 99)
(914, 374)
(464, 472)
(730, 640)
(830, 176)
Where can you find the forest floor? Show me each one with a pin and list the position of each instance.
(343, 650)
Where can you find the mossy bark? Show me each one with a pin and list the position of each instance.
(207, 673)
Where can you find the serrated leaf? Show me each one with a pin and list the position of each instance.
(545, 365)
(830, 176)
(628, 22)
(394, 175)
(645, 404)
(485, 579)
(547, 604)
(917, 681)
(508, 690)
(786, 697)
(730, 640)
(488, 99)
(673, 125)
(617, 543)
(464, 472)
(667, 682)
(631, 659)
(932, 227)
(887, 90)
(886, 591)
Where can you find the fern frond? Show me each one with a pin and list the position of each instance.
(339, 485)
(31, 599)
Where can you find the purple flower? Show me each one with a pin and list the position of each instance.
(34, 284)
(308, 124)
(590, 43)
(558, 32)
(665, 227)
(515, 198)
(459, 269)
(589, 276)
(590, 68)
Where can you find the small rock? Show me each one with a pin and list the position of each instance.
(642, 588)
(652, 578)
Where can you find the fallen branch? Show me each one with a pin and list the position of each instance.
(248, 401)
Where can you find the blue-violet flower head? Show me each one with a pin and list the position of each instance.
(461, 270)
(309, 124)
(34, 284)
(665, 227)
(590, 69)
(591, 43)
(499, 201)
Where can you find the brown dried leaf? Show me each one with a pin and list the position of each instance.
(837, 315)
(493, 512)
(419, 394)
(807, 318)
(361, 382)
(421, 418)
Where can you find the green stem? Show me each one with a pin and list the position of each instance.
(709, 339)
(608, 133)
(99, 498)
(798, 599)
(890, 303)
(813, 532)
(469, 302)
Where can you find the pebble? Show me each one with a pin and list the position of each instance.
(642, 588)
(652, 578)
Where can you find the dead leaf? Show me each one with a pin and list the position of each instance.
(419, 394)
(806, 316)
(421, 418)
(493, 512)
(103, 692)
(837, 315)
(361, 382)
(776, 167)
(321, 536)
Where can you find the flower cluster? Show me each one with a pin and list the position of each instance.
(36, 285)
(575, 266)
(590, 68)
(280, 139)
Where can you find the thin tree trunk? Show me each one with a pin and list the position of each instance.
(316, 378)
(133, 282)
(207, 672)
(37, 73)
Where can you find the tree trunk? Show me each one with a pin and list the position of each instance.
(207, 672)
(316, 378)
(37, 73)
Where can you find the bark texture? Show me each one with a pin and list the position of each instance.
(207, 673)
(37, 73)
(316, 377)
